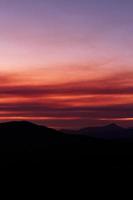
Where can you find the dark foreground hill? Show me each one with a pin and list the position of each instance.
(25, 143)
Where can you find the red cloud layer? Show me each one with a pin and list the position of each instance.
(59, 105)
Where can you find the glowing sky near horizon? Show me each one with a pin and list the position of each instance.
(66, 63)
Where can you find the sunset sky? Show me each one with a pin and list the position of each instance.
(66, 63)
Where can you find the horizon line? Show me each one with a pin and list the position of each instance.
(35, 123)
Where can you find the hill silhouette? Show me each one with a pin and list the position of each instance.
(109, 132)
(28, 144)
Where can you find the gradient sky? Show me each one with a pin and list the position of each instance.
(66, 64)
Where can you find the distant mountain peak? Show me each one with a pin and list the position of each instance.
(113, 126)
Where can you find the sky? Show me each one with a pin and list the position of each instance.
(66, 64)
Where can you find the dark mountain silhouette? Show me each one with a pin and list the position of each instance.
(111, 131)
(26, 143)
(24, 132)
